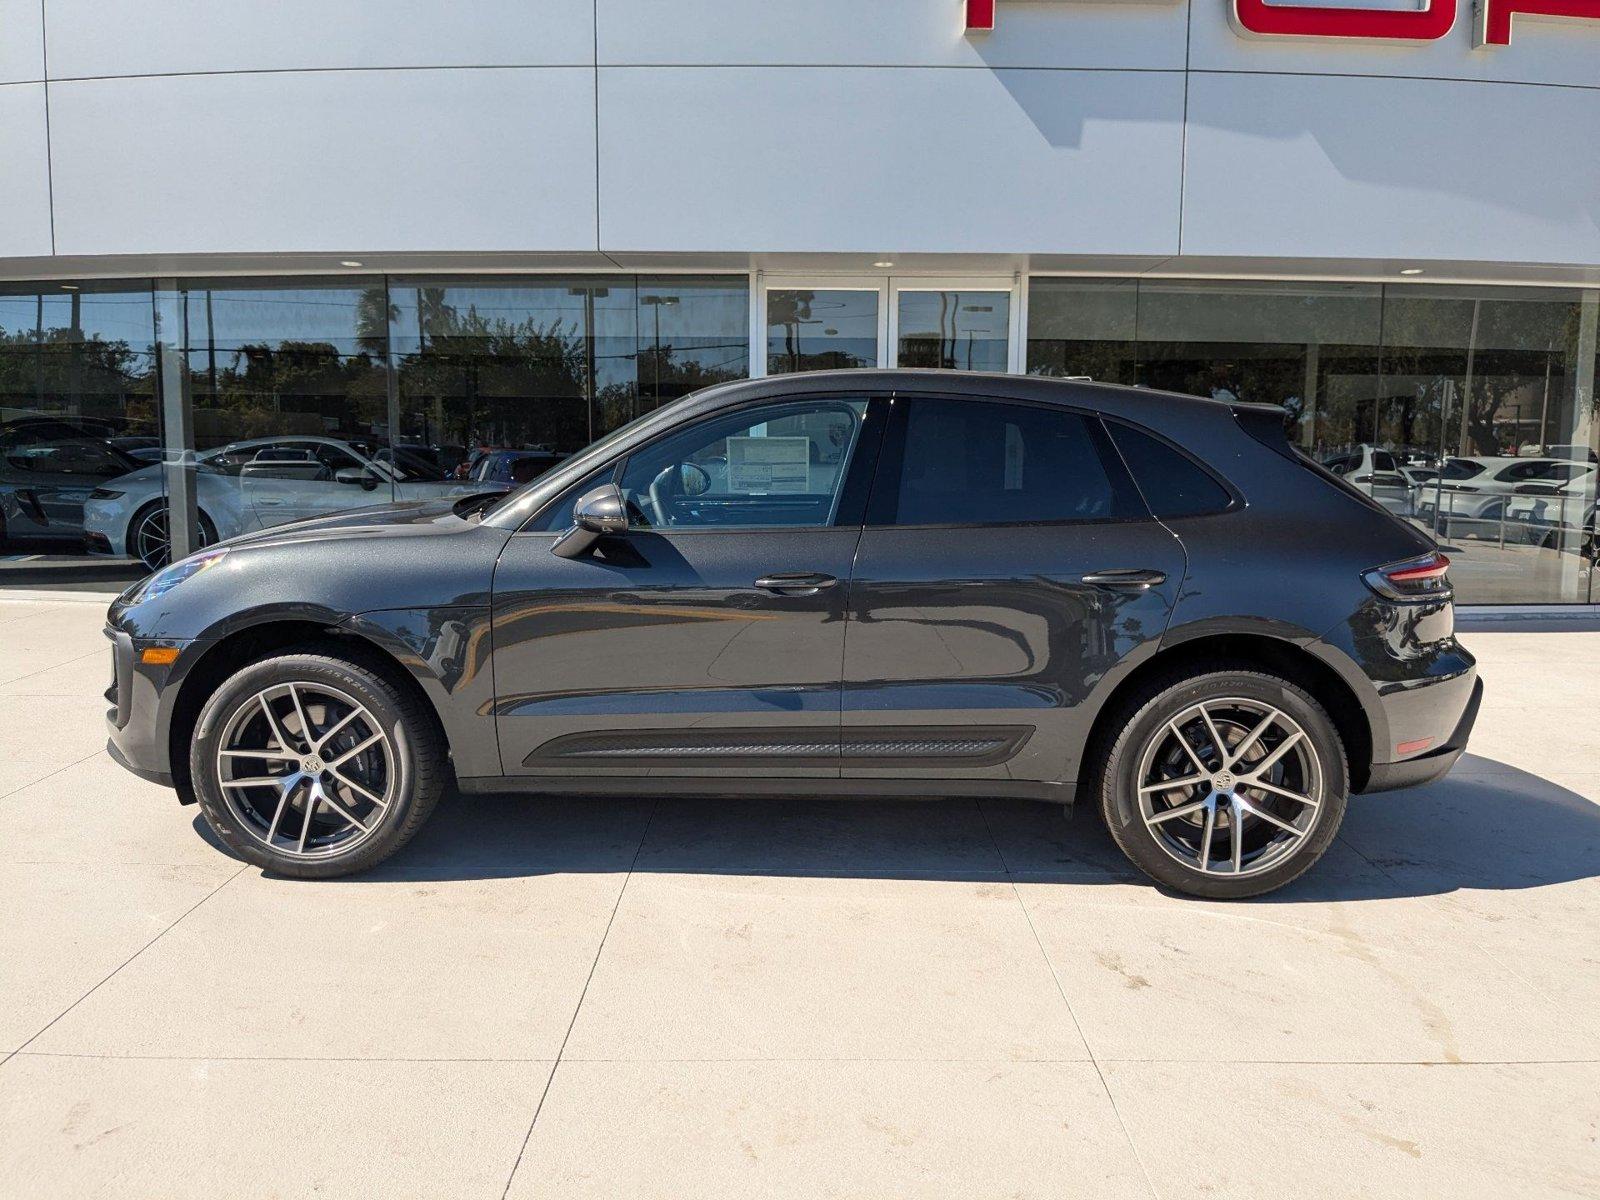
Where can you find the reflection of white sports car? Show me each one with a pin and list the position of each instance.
(252, 484)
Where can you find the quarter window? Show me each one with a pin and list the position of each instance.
(1174, 485)
(979, 463)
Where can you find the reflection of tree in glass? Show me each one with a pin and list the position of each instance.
(493, 382)
(62, 371)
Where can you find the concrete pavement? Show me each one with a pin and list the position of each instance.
(574, 998)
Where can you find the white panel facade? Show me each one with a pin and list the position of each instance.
(1124, 33)
(464, 160)
(1542, 50)
(1338, 167)
(25, 173)
(21, 41)
(146, 37)
(903, 160)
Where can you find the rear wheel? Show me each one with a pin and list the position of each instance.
(315, 766)
(1225, 784)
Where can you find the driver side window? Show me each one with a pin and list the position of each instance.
(777, 465)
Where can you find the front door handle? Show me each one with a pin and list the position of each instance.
(796, 583)
(1136, 579)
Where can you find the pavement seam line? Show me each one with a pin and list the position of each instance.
(117, 970)
(34, 782)
(1050, 966)
(588, 979)
(88, 654)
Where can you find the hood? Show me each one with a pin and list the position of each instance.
(411, 518)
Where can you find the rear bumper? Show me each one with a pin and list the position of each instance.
(1432, 764)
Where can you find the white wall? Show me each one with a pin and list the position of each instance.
(217, 126)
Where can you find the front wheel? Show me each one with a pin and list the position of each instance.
(315, 767)
(1224, 784)
(150, 541)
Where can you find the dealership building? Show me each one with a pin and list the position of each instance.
(261, 261)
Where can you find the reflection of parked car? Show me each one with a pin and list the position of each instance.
(1471, 494)
(1375, 472)
(1551, 511)
(251, 485)
(514, 466)
(48, 469)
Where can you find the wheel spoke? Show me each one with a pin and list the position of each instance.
(276, 781)
(305, 822)
(1278, 752)
(277, 814)
(359, 789)
(353, 751)
(334, 732)
(305, 723)
(1255, 734)
(1270, 819)
(1216, 738)
(1278, 791)
(1236, 835)
(1172, 814)
(277, 755)
(341, 810)
(1167, 785)
(1205, 838)
(278, 731)
(1184, 742)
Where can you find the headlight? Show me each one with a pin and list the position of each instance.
(164, 580)
(106, 494)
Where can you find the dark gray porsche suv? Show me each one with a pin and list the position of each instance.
(866, 583)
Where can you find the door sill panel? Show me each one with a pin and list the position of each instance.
(877, 747)
(729, 787)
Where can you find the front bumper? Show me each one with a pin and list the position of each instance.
(141, 698)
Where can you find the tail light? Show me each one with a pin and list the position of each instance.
(1414, 579)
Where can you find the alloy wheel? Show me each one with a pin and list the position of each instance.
(1230, 787)
(152, 544)
(306, 769)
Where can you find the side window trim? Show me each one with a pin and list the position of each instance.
(883, 505)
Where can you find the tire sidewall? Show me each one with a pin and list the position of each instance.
(370, 690)
(1119, 780)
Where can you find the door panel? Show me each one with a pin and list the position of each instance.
(658, 655)
(1007, 565)
(971, 635)
(709, 638)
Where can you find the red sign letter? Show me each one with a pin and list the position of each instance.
(1429, 24)
(1494, 16)
(980, 16)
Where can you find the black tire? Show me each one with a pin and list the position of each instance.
(1156, 848)
(412, 749)
(155, 560)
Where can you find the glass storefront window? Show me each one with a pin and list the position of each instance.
(693, 332)
(954, 331)
(1469, 411)
(821, 329)
(78, 411)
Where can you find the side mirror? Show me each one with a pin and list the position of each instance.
(356, 477)
(597, 513)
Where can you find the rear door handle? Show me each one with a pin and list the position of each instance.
(1137, 579)
(796, 583)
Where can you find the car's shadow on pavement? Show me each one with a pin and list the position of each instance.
(1488, 826)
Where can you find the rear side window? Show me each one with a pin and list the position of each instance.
(1460, 468)
(1174, 485)
(972, 462)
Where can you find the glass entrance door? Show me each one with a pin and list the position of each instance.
(951, 324)
(954, 325)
